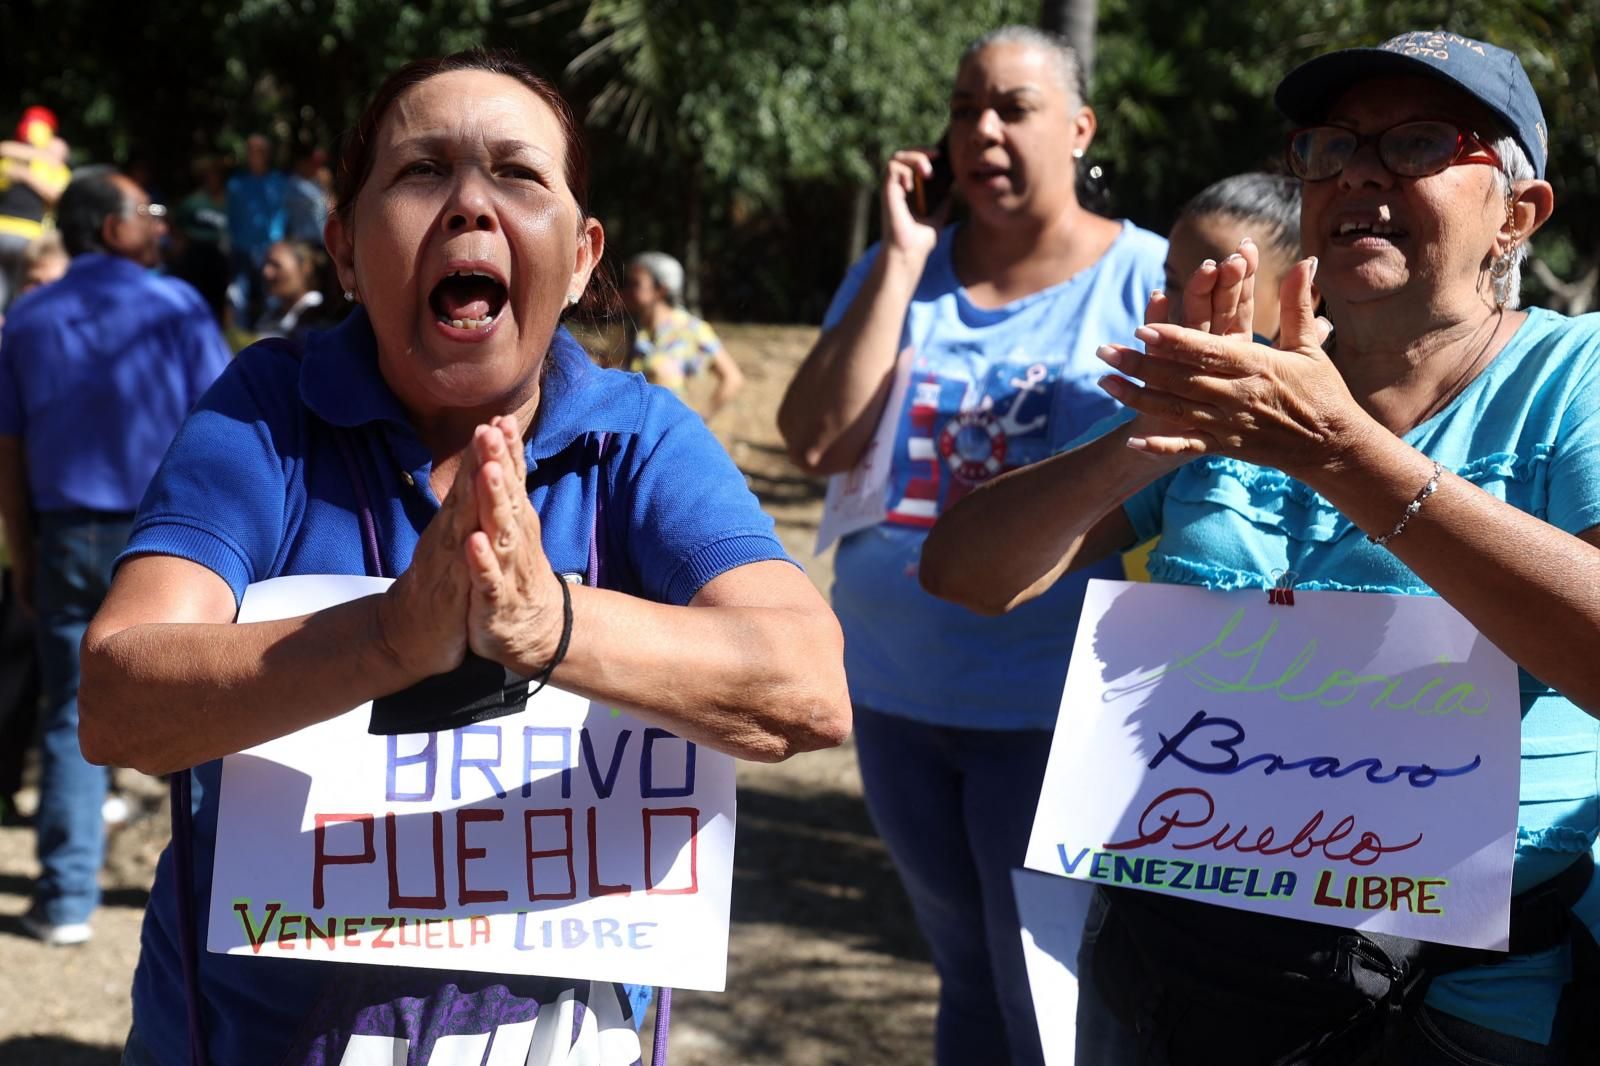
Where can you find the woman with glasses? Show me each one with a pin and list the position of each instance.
(1441, 442)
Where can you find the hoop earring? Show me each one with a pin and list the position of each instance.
(1507, 259)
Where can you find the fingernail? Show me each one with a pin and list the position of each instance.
(1109, 354)
(1209, 264)
(1112, 384)
(1234, 256)
(1247, 241)
(1156, 294)
(1313, 268)
(1146, 334)
(1139, 444)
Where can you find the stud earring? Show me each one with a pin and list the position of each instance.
(1077, 153)
(572, 299)
(350, 295)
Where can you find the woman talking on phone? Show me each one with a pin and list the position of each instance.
(999, 317)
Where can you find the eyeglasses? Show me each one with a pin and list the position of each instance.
(1408, 150)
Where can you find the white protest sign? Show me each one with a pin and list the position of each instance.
(1052, 910)
(858, 498)
(1351, 759)
(567, 840)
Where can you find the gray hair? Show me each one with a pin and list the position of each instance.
(1052, 44)
(91, 198)
(1515, 167)
(667, 272)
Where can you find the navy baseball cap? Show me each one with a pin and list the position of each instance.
(1492, 76)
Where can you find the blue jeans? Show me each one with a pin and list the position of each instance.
(75, 553)
(955, 807)
(1428, 1038)
(135, 1053)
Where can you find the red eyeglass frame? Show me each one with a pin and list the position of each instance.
(1471, 148)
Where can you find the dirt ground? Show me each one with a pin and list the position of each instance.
(825, 964)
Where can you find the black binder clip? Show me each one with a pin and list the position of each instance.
(1281, 594)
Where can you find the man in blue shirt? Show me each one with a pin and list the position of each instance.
(256, 217)
(96, 373)
(305, 201)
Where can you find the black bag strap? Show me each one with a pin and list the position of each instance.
(188, 920)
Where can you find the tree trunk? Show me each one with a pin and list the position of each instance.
(860, 216)
(694, 203)
(1074, 20)
(1574, 297)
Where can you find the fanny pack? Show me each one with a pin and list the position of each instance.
(1199, 983)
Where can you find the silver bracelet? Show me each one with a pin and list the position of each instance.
(1411, 508)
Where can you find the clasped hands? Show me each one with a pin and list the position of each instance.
(479, 579)
(1209, 388)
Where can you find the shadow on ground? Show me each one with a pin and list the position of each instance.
(12, 884)
(813, 860)
(55, 1051)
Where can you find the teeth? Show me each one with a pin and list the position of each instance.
(1379, 229)
(471, 273)
(468, 323)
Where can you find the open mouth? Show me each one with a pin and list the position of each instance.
(468, 298)
(1354, 231)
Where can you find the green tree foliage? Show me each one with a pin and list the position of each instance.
(1184, 93)
(159, 82)
(766, 102)
(768, 116)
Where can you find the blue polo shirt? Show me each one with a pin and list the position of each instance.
(97, 371)
(255, 487)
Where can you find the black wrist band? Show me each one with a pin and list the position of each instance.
(566, 638)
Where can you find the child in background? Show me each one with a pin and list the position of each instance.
(1263, 207)
(670, 345)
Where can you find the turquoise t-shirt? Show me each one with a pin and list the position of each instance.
(991, 390)
(1526, 431)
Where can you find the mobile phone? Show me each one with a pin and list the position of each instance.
(929, 193)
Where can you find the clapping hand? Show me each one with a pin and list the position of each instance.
(1208, 388)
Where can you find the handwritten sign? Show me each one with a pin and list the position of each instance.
(858, 498)
(1351, 760)
(566, 840)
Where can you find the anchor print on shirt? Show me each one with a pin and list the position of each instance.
(968, 419)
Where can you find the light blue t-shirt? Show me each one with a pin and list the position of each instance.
(1526, 431)
(991, 390)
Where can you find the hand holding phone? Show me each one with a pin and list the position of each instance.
(929, 194)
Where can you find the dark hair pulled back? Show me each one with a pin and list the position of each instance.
(356, 151)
